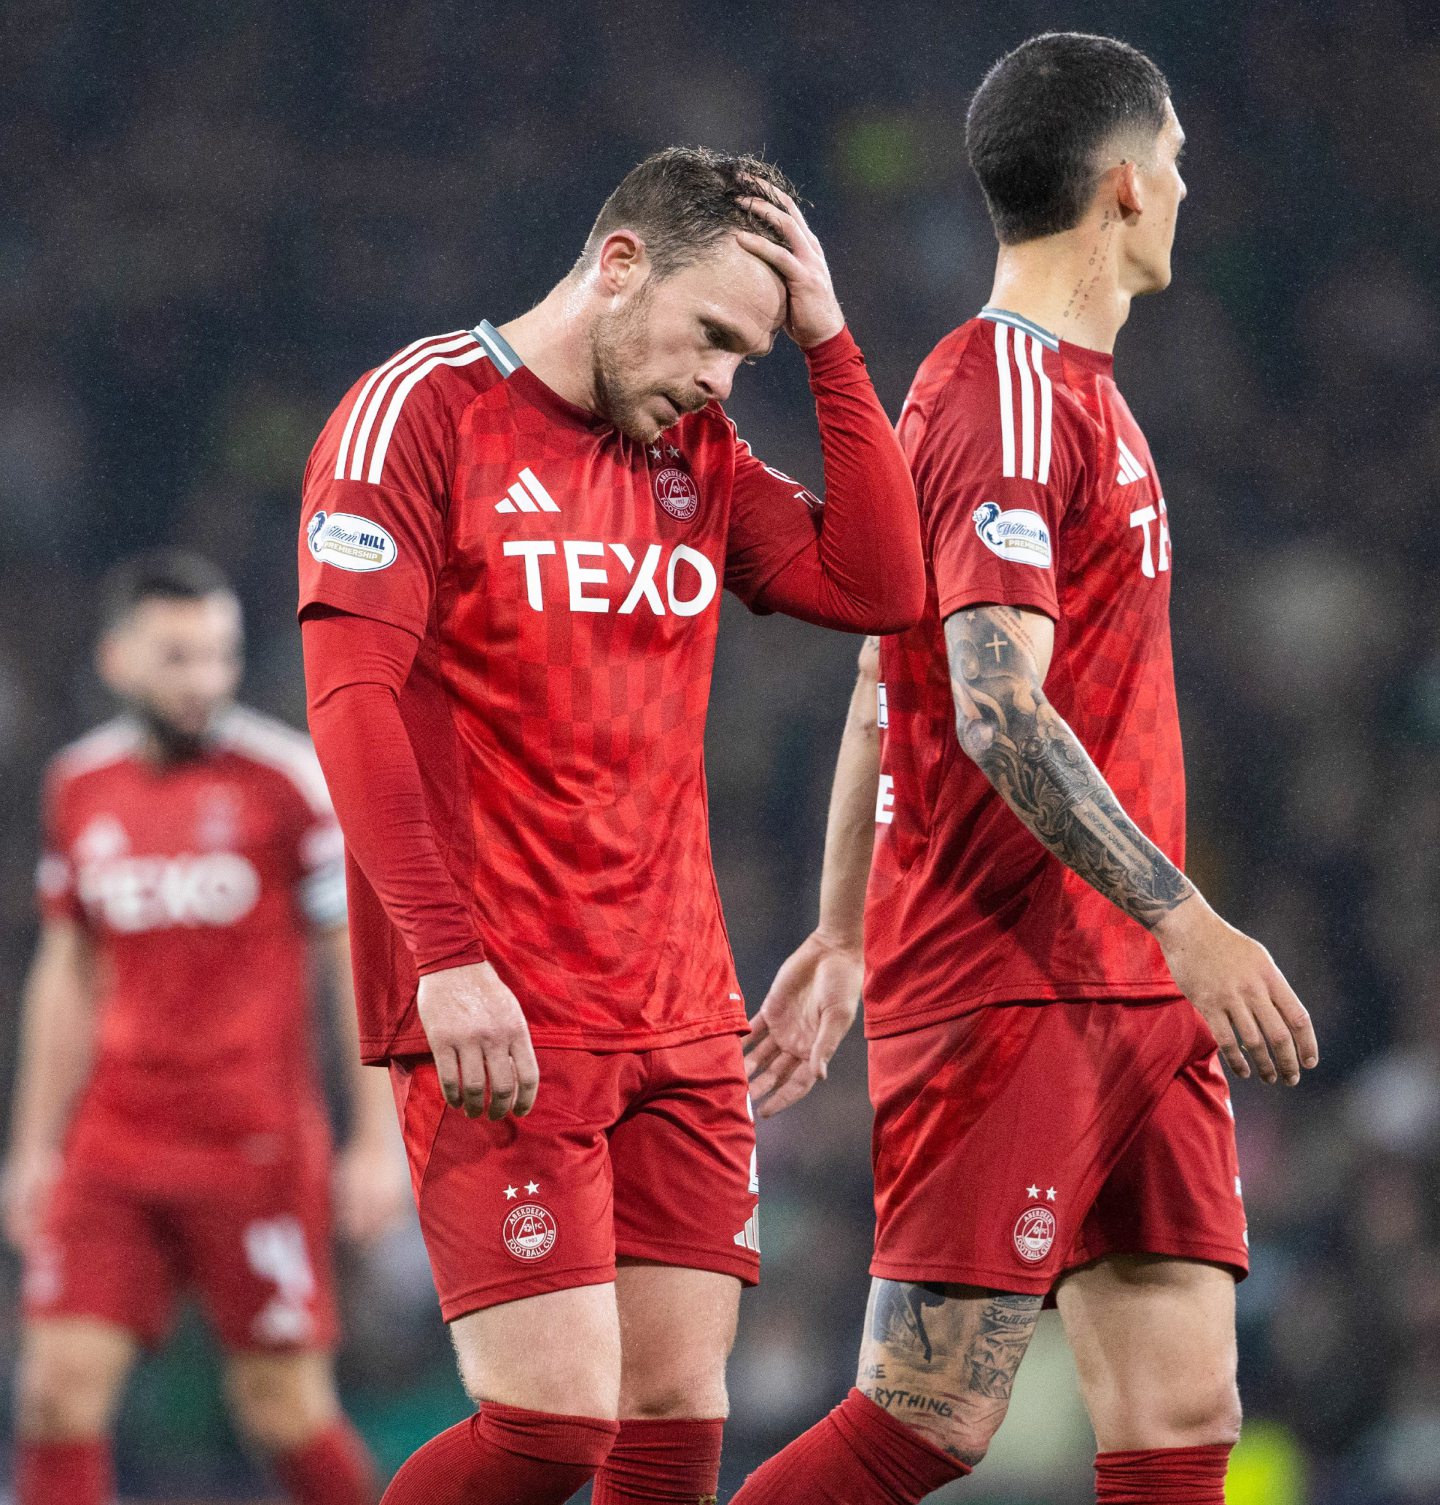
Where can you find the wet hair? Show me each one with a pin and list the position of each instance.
(1041, 118)
(157, 575)
(682, 200)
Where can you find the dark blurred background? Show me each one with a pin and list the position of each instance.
(215, 217)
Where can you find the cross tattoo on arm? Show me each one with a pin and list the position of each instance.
(997, 643)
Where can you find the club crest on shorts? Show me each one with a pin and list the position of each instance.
(1034, 1234)
(529, 1232)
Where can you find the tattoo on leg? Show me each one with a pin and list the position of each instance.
(1006, 1326)
(899, 1314)
(943, 1359)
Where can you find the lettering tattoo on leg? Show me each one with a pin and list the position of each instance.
(943, 1359)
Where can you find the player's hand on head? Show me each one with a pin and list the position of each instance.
(372, 1189)
(480, 1041)
(28, 1178)
(812, 311)
(810, 1006)
(1243, 996)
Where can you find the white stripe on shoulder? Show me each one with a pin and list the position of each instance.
(1027, 406)
(375, 376)
(1042, 463)
(108, 743)
(280, 747)
(420, 359)
(392, 413)
(1007, 401)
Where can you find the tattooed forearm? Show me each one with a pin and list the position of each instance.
(1042, 772)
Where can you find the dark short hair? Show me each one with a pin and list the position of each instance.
(157, 575)
(682, 200)
(1042, 116)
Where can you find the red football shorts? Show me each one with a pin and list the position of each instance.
(640, 1154)
(1024, 1140)
(255, 1248)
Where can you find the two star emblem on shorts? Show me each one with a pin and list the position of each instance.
(1033, 1192)
(531, 1187)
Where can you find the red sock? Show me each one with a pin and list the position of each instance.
(1163, 1476)
(504, 1456)
(79, 1473)
(859, 1455)
(333, 1468)
(661, 1463)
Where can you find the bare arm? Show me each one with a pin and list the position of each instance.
(999, 656)
(812, 1002)
(57, 1045)
(371, 1184)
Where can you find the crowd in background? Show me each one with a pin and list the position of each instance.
(216, 217)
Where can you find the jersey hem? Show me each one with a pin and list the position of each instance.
(959, 600)
(520, 1285)
(375, 1049)
(331, 593)
(1233, 1256)
(745, 1266)
(1062, 992)
(945, 1272)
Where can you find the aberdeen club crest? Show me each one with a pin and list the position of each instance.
(529, 1232)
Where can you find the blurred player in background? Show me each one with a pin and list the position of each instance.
(1051, 1115)
(169, 1131)
(512, 554)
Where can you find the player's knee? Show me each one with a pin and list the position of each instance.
(574, 1385)
(1204, 1416)
(675, 1389)
(281, 1405)
(60, 1398)
(1178, 1415)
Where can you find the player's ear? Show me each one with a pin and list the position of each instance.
(1129, 196)
(622, 262)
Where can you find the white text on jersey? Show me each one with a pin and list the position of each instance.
(1142, 517)
(690, 582)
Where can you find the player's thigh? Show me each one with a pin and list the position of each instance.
(71, 1373)
(942, 1359)
(557, 1352)
(260, 1257)
(686, 1179)
(1154, 1344)
(677, 1327)
(102, 1254)
(995, 1132)
(522, 1207)
(281, 1401)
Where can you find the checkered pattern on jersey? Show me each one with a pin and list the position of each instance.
(965, 906)
(580, 692)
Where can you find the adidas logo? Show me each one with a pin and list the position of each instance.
(527, 495)
(1130, 468)
(749, 1235)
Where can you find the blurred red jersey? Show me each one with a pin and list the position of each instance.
(564, 582)
(200, 882)
(1036, 489)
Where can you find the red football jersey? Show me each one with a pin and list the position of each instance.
(1036, 489)
(200, 883)
(564, 582)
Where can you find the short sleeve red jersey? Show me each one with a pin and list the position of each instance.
(1036, 489)
(564, 583)
(200, 883)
